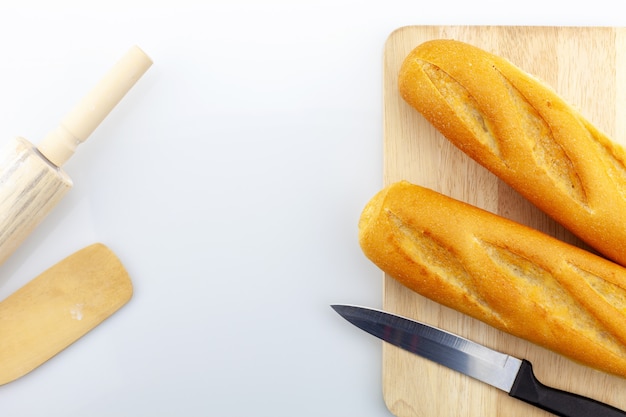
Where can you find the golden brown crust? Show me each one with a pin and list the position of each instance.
(509, 276)
(523, 132)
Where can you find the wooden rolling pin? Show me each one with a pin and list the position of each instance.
(32, 181)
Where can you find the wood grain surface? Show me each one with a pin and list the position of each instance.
(587, 67)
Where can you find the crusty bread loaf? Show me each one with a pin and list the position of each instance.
(522, 131)
(507, 275)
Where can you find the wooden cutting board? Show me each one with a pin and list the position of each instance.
(587, 66)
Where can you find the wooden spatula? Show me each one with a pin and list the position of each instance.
(58, 307)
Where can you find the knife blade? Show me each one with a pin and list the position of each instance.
(507, 373)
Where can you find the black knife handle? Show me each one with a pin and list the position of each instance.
(561, 403)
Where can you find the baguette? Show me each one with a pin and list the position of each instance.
(507, 275)
(523, 132)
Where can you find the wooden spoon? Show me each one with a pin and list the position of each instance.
(58, 307)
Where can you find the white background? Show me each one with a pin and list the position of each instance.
(229, 182)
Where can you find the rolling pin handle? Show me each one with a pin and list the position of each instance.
(60, 144)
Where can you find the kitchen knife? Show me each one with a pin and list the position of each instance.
(512, 375)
